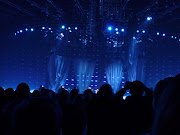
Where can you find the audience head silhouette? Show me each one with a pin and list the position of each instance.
(36, 93)
(23, 90)
(37, 116)
(167, 107)
(9, 94)
(137, 88)
(1, 90)
(105, 92)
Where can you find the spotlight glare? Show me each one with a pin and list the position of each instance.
(157, 33)
(109, 28)
(149, 18)
(143, 31)
(124, 97)
(76, 28)
(49, 28)
(137, 31)
(63, 27)
(62, 34)
(32, 29)
(26, 29)
(116, 29)
(179, 40)
(172, 36)
(164, 34)
(122, 30)
(69, 28)
(43, 28)
(17, 31)
(21, 31)
(117, 32)
(15, 34)
(175, 37)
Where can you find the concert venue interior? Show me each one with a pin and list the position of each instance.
(99, 60)
(88, 42)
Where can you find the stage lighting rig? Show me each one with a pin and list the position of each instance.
(116, 29)
(63, 27)
(149, 18)
(110, 28)
(122, 30)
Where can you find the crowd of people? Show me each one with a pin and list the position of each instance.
(145, 112)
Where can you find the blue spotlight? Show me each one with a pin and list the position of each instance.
(122, 30)
(158, 33)
(17, 31)
(179, 40)
(75, 28)
(164, 35)
(63, 27)
(49, 28)
(116, 29)
(137, 31)
(43, 28)
(109, 28)
(149, 18)
(21, 31)
(62, 35)
(175, 37)
(32, 29)
(15, 34)
(26, 29)
(51, 31)
(69, 28)
(172, 36)
(124, 97)
(117, 32)
(143, 31)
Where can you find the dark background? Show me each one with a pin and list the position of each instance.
(25, 58)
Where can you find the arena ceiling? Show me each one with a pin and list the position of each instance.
(165, 13)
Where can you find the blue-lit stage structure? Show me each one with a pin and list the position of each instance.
(106, 43)
(51, 58)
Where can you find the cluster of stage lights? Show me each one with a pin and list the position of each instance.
(149, 18)
(21, 31)
(110, 28)
(68, 28)
(158, 34)
(44, 28)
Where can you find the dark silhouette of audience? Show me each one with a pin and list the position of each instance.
(103, 113)
(167, 106)
(37, 116)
